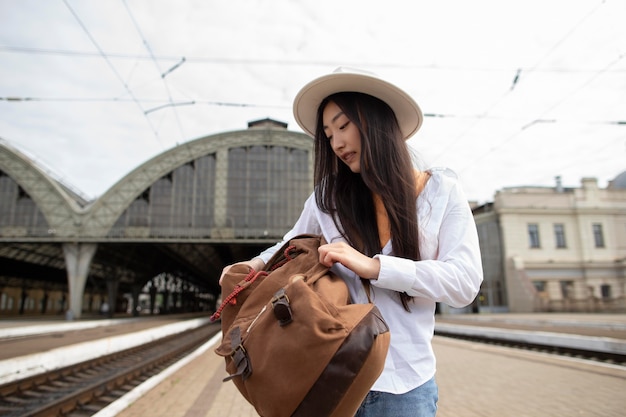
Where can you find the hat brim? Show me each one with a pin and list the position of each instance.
(308, 99)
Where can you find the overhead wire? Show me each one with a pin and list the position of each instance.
(281, 107)
(565, 37)
(479, 119)
(145, 100)
(485, 115)
(522, 74)
(285, 62)
(163, 74)
(112, 67)
(541, 118)
(171, 103)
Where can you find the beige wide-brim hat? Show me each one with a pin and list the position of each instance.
(344, 79)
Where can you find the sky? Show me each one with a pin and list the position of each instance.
(514, 93)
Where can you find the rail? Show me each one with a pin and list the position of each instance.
(604, 349)
(83, 389)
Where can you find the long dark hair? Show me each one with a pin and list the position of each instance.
(386, 170)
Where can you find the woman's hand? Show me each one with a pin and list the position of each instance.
(341, 252)
(257, 264)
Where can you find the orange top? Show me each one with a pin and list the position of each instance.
(382, 219)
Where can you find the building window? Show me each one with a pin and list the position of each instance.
(540, 286)
(598, 236)
(605, 290)
(267, 186)
(533, 235)
(559, 235)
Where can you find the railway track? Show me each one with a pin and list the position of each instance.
(85, 388)
(595, 349)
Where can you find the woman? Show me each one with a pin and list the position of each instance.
(401, 238)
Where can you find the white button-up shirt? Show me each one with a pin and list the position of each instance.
(450, 271)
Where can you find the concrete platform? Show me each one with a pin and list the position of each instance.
(474, 381)
(27, 351)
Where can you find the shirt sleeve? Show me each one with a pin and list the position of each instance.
(451, 269)
(306, 224)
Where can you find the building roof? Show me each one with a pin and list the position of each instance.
(619, 182)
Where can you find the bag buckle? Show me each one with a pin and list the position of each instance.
(239, 356)
(281, 307)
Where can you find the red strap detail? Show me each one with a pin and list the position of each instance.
(287, 257)
(232, 297)
(251, 277)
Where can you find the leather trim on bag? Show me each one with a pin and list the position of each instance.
(343, 368)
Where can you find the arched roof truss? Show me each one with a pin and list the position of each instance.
(61, 212)
(103, 214)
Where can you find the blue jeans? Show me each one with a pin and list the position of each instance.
(420, 402)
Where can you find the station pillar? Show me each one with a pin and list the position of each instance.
(112, 286)
(78, 258)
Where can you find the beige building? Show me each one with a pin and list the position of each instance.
(555, 248)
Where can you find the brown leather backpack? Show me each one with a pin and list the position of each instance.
(293, 343)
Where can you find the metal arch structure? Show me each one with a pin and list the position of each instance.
(101, 215)
(62, 213)
(78, 230)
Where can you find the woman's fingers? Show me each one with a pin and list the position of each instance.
(341, 252)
